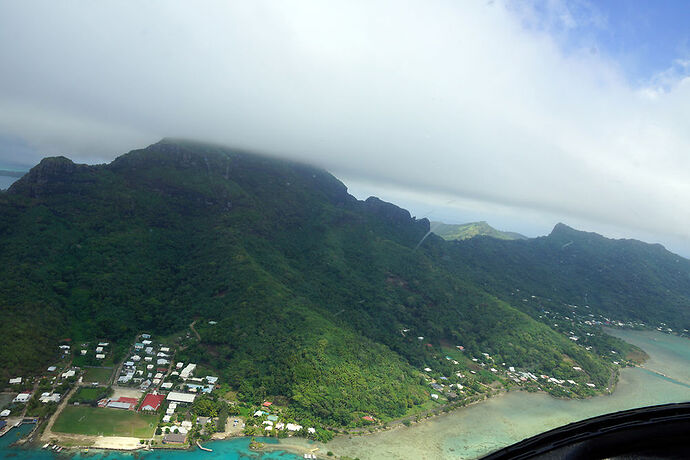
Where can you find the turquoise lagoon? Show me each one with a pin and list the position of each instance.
(498, 422)
(232, 449)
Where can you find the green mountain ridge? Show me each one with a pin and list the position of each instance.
(624, 279)
(311, 289)
(470, 230)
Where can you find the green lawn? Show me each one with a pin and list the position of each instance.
(98, 374)
(105, 422)
(6, 399)
(86, 394)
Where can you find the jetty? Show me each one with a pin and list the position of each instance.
(202, 447)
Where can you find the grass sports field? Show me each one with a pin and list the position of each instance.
(98, 374)
(105, 422)
(88, 394)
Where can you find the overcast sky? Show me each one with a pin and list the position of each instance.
(517, 113)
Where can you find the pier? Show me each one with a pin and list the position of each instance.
(202, 447)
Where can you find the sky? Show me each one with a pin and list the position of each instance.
(520, 113)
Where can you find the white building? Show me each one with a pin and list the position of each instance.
(22, 398)
(16, 381)
(47, 397)
(176, 396)
(187, 371)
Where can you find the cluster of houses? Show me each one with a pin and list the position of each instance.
(100, 351)
(273, 422)
(441, 386)
(147, 365)
(177, 432)
(46, 397)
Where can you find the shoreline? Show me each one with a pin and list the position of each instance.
(131, 445)
(301, 445)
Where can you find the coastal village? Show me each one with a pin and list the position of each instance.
(148, 399)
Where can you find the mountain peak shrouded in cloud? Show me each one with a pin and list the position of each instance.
(465, 100)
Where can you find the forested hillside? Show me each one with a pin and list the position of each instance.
(319, 298)
(624, 279)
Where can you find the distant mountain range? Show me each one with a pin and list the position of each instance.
(317, 299)
(470, 230)
(11, 173)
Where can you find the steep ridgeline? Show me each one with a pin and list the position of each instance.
(319, 298)
(626, 280)
(465, 231)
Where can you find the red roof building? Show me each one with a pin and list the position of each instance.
(122, 403)
(151, 402)
(368, 418)
(267, 404)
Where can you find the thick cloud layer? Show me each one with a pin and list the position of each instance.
(455, 98)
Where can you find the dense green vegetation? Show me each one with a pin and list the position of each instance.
(318, 298)
(465, 231)
(625, 280)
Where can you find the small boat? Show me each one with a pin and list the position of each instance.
(46, 445)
